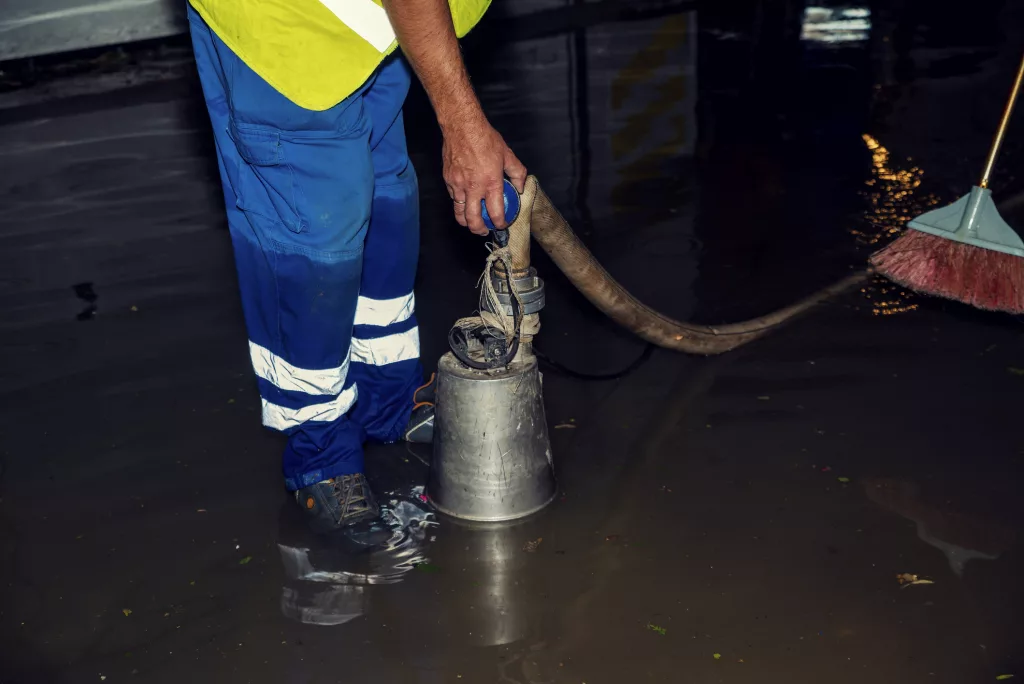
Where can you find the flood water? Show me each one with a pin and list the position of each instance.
(743, 518)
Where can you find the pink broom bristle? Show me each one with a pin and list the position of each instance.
(930, 264)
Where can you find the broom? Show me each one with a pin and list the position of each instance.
(964, 251)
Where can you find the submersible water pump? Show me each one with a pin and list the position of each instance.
(492, 454)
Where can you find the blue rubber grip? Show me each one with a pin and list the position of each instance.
(512, 204)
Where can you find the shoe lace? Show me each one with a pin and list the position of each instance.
(351, 492)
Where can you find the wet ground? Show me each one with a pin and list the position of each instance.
(735, 519)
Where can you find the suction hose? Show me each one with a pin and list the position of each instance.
(547, 226)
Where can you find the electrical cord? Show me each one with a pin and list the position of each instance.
(459, 337)
(595, 377)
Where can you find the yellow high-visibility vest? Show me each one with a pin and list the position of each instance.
(315, 52)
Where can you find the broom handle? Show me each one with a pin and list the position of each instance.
(998, 142)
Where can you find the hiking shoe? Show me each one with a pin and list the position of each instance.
(340, 502)
(420, 428)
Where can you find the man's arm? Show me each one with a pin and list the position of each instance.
(475, 155)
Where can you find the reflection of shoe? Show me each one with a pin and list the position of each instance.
(322, 604)
(340, 502)
(420, 429)
(327, 577)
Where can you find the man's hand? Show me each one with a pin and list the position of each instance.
(475, 160)
(475, 155)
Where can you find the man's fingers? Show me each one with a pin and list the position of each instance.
(473, 172)
(473, 215)
(460, 213)
(458, 204)
(515, 171)
(496, 207)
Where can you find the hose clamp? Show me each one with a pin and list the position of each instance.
(531, 293)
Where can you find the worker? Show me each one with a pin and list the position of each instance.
(305, 99)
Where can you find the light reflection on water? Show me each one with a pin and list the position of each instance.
(836, 25)
(328, 587)
(892, 198)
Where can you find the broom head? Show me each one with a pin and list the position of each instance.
(964, 251)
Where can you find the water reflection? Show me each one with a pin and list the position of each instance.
(328, 580)
(892, 198)
(836, 25)
(494, 606)
(960, 536)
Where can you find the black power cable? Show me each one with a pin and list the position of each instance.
(559, 368)
(459, 338)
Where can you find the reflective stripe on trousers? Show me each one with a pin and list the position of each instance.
(324, 218)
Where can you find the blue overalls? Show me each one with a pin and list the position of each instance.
(323, 210)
